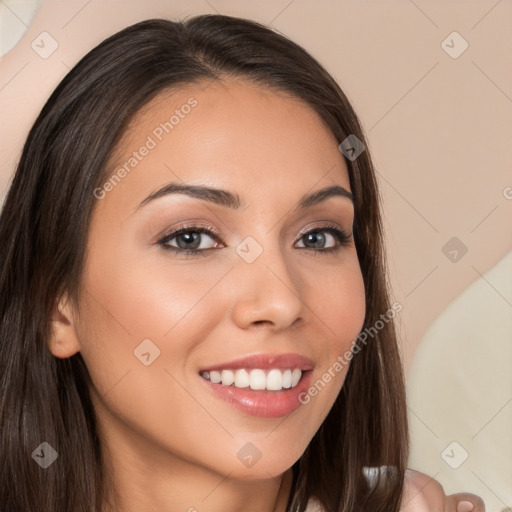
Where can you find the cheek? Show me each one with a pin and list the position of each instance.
(133, 310)
(129, 300)
(140, 288)
(339, 310)
(339, 303)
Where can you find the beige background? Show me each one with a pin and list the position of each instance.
(439, 127)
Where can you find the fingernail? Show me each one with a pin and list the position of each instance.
(465, 506)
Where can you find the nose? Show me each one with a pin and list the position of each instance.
(268, 291)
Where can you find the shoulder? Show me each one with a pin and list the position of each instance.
(422, 493)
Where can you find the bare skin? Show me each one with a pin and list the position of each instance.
(172, 444)
(423, 493)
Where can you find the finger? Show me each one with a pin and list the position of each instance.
(453, 501)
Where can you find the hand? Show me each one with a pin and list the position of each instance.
(423, 493)
(462, 501)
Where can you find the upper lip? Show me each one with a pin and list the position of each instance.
(265, 361)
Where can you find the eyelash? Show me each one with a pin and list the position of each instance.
(340, 235)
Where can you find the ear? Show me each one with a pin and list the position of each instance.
(63, 342)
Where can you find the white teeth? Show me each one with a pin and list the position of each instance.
(228, 377)
(257, 379)
(287, 379)
(274, 380)
(215, 377)
(242, 379)
(296, 374)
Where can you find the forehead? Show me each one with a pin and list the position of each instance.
(231, 133)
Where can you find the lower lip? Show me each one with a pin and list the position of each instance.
(262, 403)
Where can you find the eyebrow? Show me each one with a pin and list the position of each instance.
(233, 200)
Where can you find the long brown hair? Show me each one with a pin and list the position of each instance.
(43, 232)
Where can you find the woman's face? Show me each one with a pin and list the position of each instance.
(160, 309)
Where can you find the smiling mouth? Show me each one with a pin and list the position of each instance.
(256, 379)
